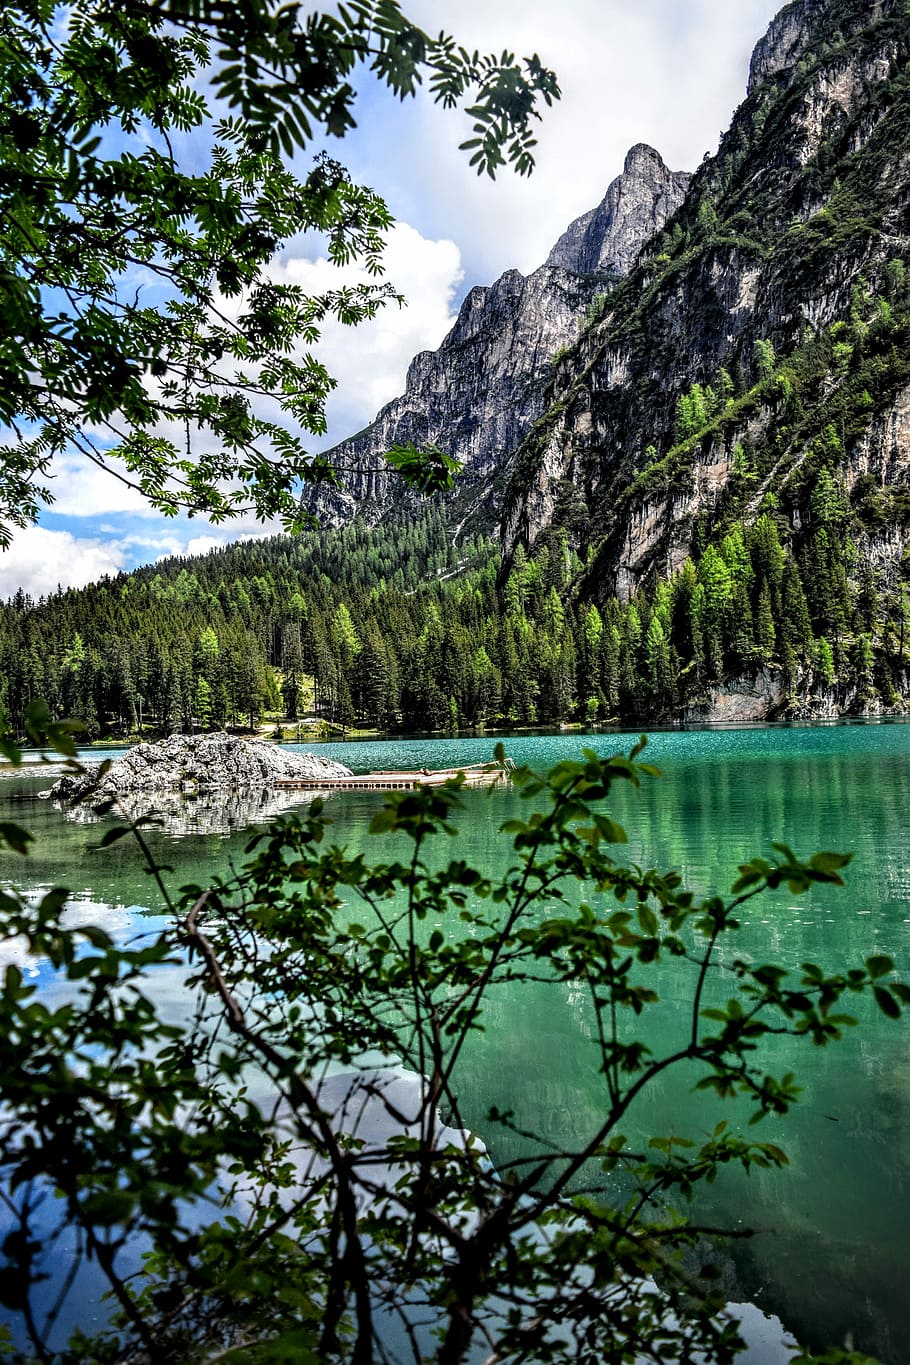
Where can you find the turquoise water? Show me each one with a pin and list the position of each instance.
(831, 1254)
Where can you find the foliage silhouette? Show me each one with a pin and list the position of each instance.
(145, 327)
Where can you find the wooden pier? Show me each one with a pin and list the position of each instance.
(475, 775)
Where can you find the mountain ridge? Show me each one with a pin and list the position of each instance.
(766, 250)
(480, 392)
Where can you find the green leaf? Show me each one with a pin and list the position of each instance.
(111, 836)
(886, 1002)
(107, 1207)
(15, 837)
(648, 920)
(385, 819)
(829, 862)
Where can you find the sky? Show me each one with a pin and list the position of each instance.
(666, 72)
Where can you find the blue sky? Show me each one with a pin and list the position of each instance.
(666, 72)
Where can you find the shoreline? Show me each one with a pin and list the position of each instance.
(32, 757)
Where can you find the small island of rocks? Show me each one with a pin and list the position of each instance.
(196, 763)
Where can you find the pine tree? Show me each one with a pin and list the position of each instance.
(659, 666)
(202, 703)
(795, 626)
(765, 631)
(824, 662)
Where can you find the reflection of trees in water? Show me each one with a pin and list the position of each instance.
(887, 1120)
(695, 813)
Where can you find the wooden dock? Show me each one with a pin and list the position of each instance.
(475, 775)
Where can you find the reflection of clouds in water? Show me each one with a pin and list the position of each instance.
(122, 922)
(117, 920)
(14, 953)
(49, 770)
(129, 926)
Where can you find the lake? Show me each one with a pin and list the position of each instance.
(832, 1256)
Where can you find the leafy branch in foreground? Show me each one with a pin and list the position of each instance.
(146, 328)
(297, 1155)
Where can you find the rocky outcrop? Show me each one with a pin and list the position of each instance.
(803, 210)
(608, 239)
(480, 393)
(779, 51)
(739, 701)
(764, 696)
(195, 763)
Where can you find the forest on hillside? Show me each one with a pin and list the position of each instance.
(393, 627)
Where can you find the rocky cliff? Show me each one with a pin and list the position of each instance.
(478, 396)
(768, 319)
(608, 239)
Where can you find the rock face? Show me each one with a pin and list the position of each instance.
(788, 37)
(607, 240)
(480, 393)
(742, 700)
(216, 762)
(794, 228)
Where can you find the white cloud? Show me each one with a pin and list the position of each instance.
(82, 489)
(370, 361)
(200, 545)
(38, 560)
(228, 533)
(668, 72)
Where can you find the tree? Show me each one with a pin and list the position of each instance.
(166, 393)
(659, 663)
(714, 607)
(202, 703)
(765, 358)
(824, 662)
(375, 961)
(291, 668)
(765, 632)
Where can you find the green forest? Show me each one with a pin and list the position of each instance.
(393, 627)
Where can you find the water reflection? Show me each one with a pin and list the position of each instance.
(221, 813)
(832, 1256)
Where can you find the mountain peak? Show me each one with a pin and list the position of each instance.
(607, 239)
(787, 38)
(644, 160)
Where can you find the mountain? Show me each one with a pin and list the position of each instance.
(698, 468)
(560, 392)
(770, 310)
(722, 444)
(478, 395)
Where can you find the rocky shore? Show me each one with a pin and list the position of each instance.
(195, 763)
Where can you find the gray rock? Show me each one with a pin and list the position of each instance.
(788, 37)
(760, 697)
(609, 238)
(481, 392)
(190, 763)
